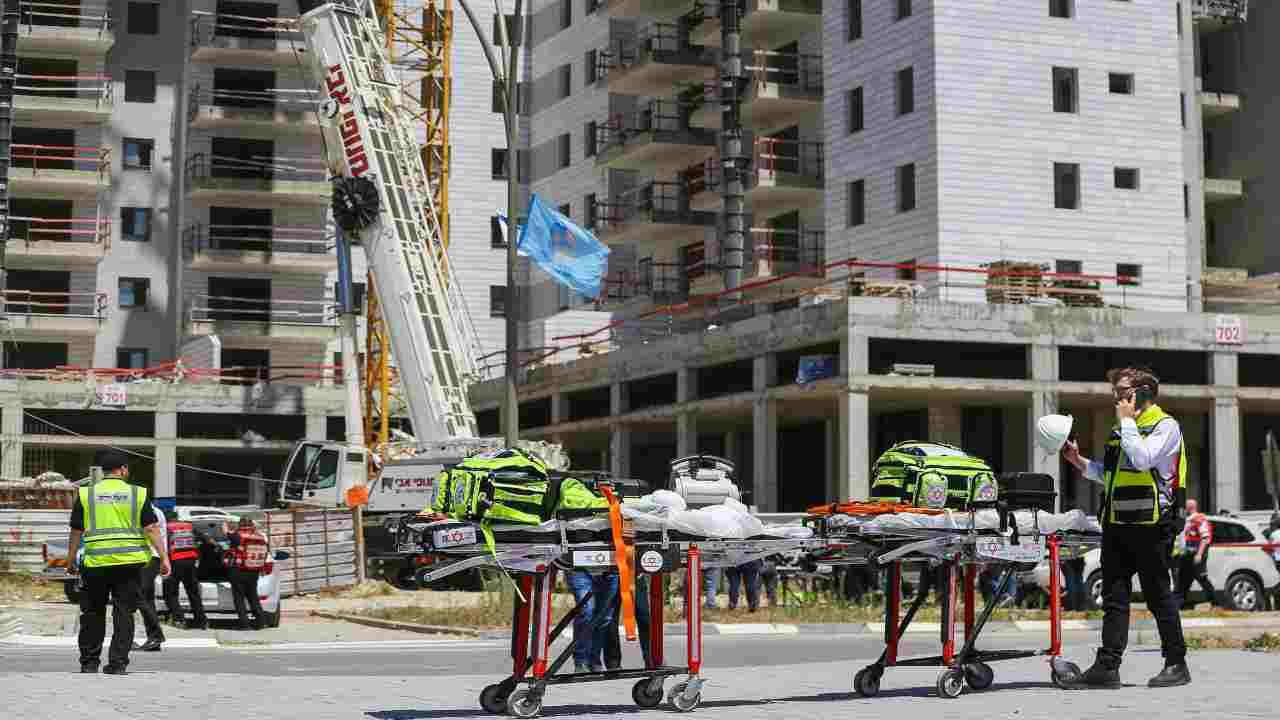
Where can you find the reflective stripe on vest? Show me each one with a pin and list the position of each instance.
(250, 554)
(113, 524)
(1133, 496)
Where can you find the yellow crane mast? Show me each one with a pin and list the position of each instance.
(420, 42)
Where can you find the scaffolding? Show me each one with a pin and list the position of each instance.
(419, 37)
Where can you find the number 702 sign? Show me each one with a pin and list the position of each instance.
(1228, 330)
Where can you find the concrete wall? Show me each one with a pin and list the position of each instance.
(999, 138)
(887, 141)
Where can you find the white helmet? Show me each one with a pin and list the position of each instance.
(1052, 432)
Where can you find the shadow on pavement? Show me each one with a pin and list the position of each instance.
(551, 710)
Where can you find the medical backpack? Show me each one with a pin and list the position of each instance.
(931, 475)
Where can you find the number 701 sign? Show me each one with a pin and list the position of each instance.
(1228, 330)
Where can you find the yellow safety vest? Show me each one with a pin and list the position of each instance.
(113, 524)
(1133, 496)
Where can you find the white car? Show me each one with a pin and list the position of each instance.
(1241, 568)
(214, 594)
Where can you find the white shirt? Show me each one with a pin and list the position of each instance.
(164, 530)
(1159, 450)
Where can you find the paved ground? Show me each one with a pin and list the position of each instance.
(768, 678)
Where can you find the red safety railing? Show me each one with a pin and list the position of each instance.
(62, 157)
(91, 231)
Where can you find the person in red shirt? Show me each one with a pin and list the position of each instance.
(1192, 563)
(183, 552)
(245, 561)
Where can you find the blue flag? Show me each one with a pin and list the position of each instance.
(568, 253)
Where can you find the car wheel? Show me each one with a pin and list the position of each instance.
(1245, 593)
(1095, 590)
(72, 590)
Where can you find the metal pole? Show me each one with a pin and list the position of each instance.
(510, 114)
(732, 161)
(351, 379)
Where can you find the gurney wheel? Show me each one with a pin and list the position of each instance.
(494, 699)
(1063, 673)
(679, 701)
(644, 694)
(979, 675)
(867, 682)
(524, 704)
(951, 683)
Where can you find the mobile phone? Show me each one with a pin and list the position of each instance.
(1142, 395)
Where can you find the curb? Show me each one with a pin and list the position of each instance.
(394, 625)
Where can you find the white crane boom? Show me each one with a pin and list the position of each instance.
(383, 199)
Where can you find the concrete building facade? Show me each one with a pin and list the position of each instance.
(1011, 200)
(169, 202)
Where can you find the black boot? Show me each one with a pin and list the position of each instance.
(1098, 676)
(89, 668)
(1173, 675)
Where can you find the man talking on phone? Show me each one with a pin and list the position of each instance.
(1143, 474)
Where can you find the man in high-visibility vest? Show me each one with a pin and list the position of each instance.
(1144, 476)
(118, 527)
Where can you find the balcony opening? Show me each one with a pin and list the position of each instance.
(34, 220)
(783, 240)
(33, 355)
(242, 158)
(651, 392)
(46, 77)
(693, 258)
(38, 292)
(233, 19)
(244, 366)
(786, 150)
(44, 149)
(240, 229)
(588, 404)
(239, 299)
(244, 88)
(52, 13)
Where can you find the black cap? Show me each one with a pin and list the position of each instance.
(110, 459)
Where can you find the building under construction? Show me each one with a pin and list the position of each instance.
(958, 217)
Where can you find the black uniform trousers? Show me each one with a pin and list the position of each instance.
(1190, 571)
(244, 590)
(184, 573)
(147, 601)
(1141, 550)
(120, 583)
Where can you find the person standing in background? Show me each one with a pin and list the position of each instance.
(183, 553)
(245, 561)
(1192, 563)
(147, 601)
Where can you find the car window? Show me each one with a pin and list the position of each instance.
(1229, 532)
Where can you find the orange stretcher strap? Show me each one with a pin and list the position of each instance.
(869, 508)
(626, 576)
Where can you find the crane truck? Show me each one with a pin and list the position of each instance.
(382, 199)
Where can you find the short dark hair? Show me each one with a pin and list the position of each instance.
(110, 459)
(1138, 375)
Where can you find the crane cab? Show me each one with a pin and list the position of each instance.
(320, 473)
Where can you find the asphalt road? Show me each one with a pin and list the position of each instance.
(467, 657)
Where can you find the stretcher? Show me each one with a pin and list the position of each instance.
(534, 556)
(950, 551)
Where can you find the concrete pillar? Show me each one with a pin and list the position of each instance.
(686, 421)
(620, 451)
(1043, 362)
(946, 424)
(855, 354)
(11, 444)
(853, 438)
(731, 449)
(1228, 490)
(317, 427)
(831, 458)
(559, 408)
(764, 418)
(166, 463)
(620, 436)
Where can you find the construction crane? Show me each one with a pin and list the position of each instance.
(385, 198)
(419, 42)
